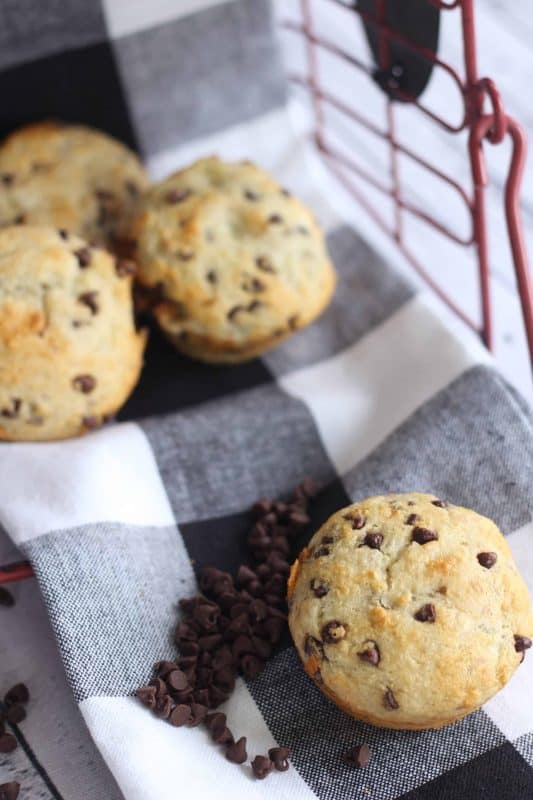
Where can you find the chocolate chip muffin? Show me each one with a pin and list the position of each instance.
(231, 262)
(409, 612)
(69, 351)
(70, 177)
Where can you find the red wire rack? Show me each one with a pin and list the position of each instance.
(482, 127)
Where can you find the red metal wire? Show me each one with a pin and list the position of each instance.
(10, 573)
(492, 127)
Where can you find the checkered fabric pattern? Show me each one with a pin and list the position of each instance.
(376, 396)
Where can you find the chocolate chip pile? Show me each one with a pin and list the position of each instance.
(231, 629)
(12, 712)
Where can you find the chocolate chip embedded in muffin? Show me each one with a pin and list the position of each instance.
(373, 540)
(333, 632)
(414, 602)
(370, 654)
(426, 613)
(424, 535)
(487, 560)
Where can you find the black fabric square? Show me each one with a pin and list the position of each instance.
(499, 774)
(76, 86)
(32, 29)
(171, 381)
(221, 541)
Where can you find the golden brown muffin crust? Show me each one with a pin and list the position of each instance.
(409, 612)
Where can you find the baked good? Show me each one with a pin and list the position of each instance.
(69, 351)
(232, 263)
(409, 612)
(70, 177)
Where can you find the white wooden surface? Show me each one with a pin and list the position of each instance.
(504, 32)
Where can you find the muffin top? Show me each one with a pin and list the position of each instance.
(69, 351)
(409, 612)
(235, 262)
(68, 176)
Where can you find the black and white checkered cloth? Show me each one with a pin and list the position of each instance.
(377, 396)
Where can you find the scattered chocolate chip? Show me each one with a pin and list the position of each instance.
(13, 412)
(370, 654)
(358, 756)
(236, 752)
(319, 588)
(279, 756)
(389, 701)
(6, 598)
(423, 535)
(84, 256)
(180, 715)
(222, 735)
(160, 687)
(522, 643)
(439, 503)
(131, 188)
(90, 299)
(8, 743)
(215, 721)
(254, 305)
(321, 551)
(9, 791)
(332, 632)
(63, 233)
(147, 695)
(373, 540)
(198, 714)
(15, 713)
(251, 195)
(211, 276)
(261, 767)
(185, 255)
(177, 680)
(426, 613)
(264, 263)
(210, 641)
(275, 219)
(125, 267)
(84, 383)
(20, 219)
(251, 666)
(177, 196)
(7, 178)
(17, 694)
(163, 706)
(487, 559)
(412, 519)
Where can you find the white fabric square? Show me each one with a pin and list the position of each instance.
(152, 759)
(107, 476)
(124, 17)
(360, 395)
